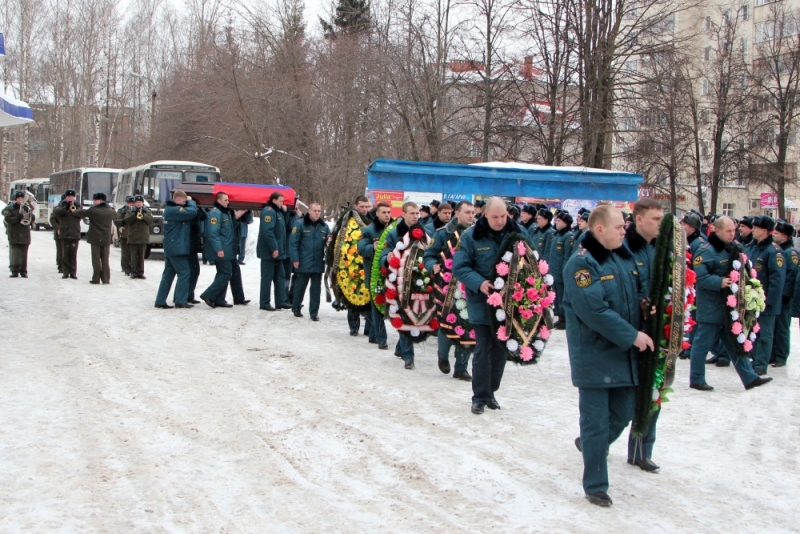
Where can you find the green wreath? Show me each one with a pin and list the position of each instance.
(377, 279)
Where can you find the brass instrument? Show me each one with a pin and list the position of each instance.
(72, 206)
(28, 208)
(139, 214)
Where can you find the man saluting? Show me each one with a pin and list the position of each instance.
(602, 306)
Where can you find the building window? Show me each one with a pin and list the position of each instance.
(705, 87)
(727, 209)
(707, 53)
(704, 116)
(12, 157)
(92, 160)
(726, 17)
(707, 24)
(11, 137)
(744, 45)
(10, 177)
(475, 150)
(764, 2)
(744, 12)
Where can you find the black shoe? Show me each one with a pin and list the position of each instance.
(184, 306)
(463, 375)
(373, 342)
(758, 382)
(140, 277)
(242, 303)
(776, 364)
(285, 307)
(760, 372)
(208, 301)
(382, 346)
(492, 404)
(164, 306)
(314, 318)
(297, 314)
(194, 301)
(14, 275)
(64, 276)
(723, 363)
(409, 365)
(267, 308)
(396, 353)
(600, 498)
(578, 444)
(444, 366)
(645, 464)
(712, 360)
(354, 334)
(477, 408)
(684, 355)
(24, 275)
(93, 282)
(241, 263)
(74, 276)
(701, 387)
(224, 305)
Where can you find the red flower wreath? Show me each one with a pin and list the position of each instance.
(380, 298)
(397, 322)
(434, 324)
(417, 233)
(394, 262)
(390, 294)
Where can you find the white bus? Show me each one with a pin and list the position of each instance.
(39, 188)
(86, 181)
(156, 181)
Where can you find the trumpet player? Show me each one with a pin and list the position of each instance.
(101, 216)
(122, 232)
(69, 235)
(138, 222)
(18, 218)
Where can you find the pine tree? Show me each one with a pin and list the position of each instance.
(352, 17)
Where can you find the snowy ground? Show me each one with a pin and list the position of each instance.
(119, 417)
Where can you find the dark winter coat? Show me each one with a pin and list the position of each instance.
(220, 234)
(711, 265)
(307, 244)
(643, 253)
(271, 233)
(178, 221)
(559, 253)
(138, 229)
(68, 227)
(101, 221)
(366, 245)
(18, 234)
(770, 264)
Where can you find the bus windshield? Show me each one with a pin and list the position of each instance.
(97, 182)
(201, 177)
(158, 189)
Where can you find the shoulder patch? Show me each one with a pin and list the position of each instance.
(267, 218)
(607, 277)
(779, 260)
(795, 259)
(698, 260)
(213, 220)
(182, 209)
(294, 229)
(583, 278)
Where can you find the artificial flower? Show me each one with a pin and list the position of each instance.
(459, 330)
(521, 249)
(544, 333)
(526, 353)
(434, 324)
(501, 333)
(448, 264)
(451, 318)
(397, 322)
(394, 262)
(499, 283)
(512, 345)
(538, 345)
(517, 296)
(417, 233)
(747, 345)
(740, 338)
(530, 280)
(507, 257)
(756, 328)
(391, 294)
(731, 301)
(461, 304)
(691, 277)
(525, 313)
(400, 246)
(394, 308)
(414, 332)
(502, 268)
(543, 267)
(464, 314)
(500, 315)
(736, 328)
(532, 294)
(447, 277)
(392, 277)
(495, 300)
(734, 315)
(734, 276)
(549, 280)
(736, 264)
(380, 298)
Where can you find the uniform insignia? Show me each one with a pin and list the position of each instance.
(698, 260)
(795, 259)
(607, 277)
(213, 220)
(779, 260)
(294, 230)
(182, 209)
(479, 249)
(759, 267)
(583, 278)
(267, 218)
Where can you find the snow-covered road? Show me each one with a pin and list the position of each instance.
(116, 416)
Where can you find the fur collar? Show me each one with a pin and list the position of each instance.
(379, 226)
(483, 230)
(563, 231)
(765, 243)
(402, 228)
(716, 242)
(437, 223)
(308, 221)
(694, 235)
(634, 239)
(786, 245)
(453, 226)
(221, 208)
(273, 206)
(601, 253)
(527, 225)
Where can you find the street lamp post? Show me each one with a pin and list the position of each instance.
(153, 95)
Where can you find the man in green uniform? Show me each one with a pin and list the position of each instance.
(784, 232)
(465, 213)
(122, 232)
(474, 266)
(602, 305)
(363, 207)
(101, 218)
(557, 256)
(19, 235)
(69, 235)
(54, 224)
(138, 222)
(179, 216)
(366, 249)
(271, 249)
(220, 244)
(309, 237)
(712, 267)
(543, 233)
(769, 262)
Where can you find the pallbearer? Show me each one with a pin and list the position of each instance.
(557, 256)
(179, 216)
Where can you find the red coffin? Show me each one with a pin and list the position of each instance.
(254, 195)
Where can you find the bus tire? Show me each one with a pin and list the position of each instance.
(147, 252)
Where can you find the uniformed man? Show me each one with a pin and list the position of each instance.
(54, 224)
(640, 237)
(603, 310)
(527, 217)
(465, 214)
(69, 235)
(122, 233)
(580, 232)
(310, 235)
(138, 222)
(770, 264)
(784, 232)
(101, 220)
(19, 235)
(711, 266)
(424, 215)
(473, 266)
(745, 231)
(479, 206)
(557, 256)
(691, 223)
(289, 219)
(442, 217)
(405, 347)
(363, 207)
(543, 233)
(195, 248)
(241, 218)
(271, 250)
(179, 216)
(220, 244)
(366, 249)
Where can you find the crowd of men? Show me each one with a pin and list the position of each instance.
(601, 267)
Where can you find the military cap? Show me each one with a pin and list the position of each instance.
(764, 221)
(128, 198)
(785, 228)
(138, 198)
(513, 210)
(99, 196)
(546, 213)
(480, 203)
(564, 216)
(435, 203)
(70, 193)
(530, 209)
(19, 194)
(585, 215)
(692, 219)
(426, 209)
(746, 221)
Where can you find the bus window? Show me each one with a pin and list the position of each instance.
(97, 182)
(42, 191)
(201, 177)
(158, 189)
